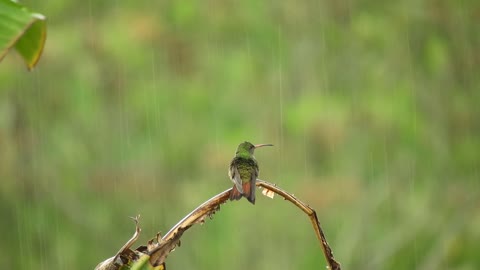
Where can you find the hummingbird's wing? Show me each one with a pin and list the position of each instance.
(253, 181)
(235, 177)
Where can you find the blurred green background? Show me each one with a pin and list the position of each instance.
(137, 108)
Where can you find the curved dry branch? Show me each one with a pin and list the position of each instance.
(327, 251)
(158, 248)
(172, 239)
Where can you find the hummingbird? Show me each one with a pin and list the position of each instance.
(244, 172)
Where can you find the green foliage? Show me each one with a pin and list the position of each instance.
(23, 30)
(137, 108)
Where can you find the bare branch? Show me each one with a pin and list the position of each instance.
(208, 208)
(160, 247)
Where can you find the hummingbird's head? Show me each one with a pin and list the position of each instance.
(247, 148)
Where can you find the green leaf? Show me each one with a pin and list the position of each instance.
(22, 29)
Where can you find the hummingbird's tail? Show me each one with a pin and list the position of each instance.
(235, 194)
(249, 191)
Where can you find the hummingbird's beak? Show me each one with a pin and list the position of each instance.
(263, 144)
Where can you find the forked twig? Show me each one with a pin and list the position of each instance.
(125, 252)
